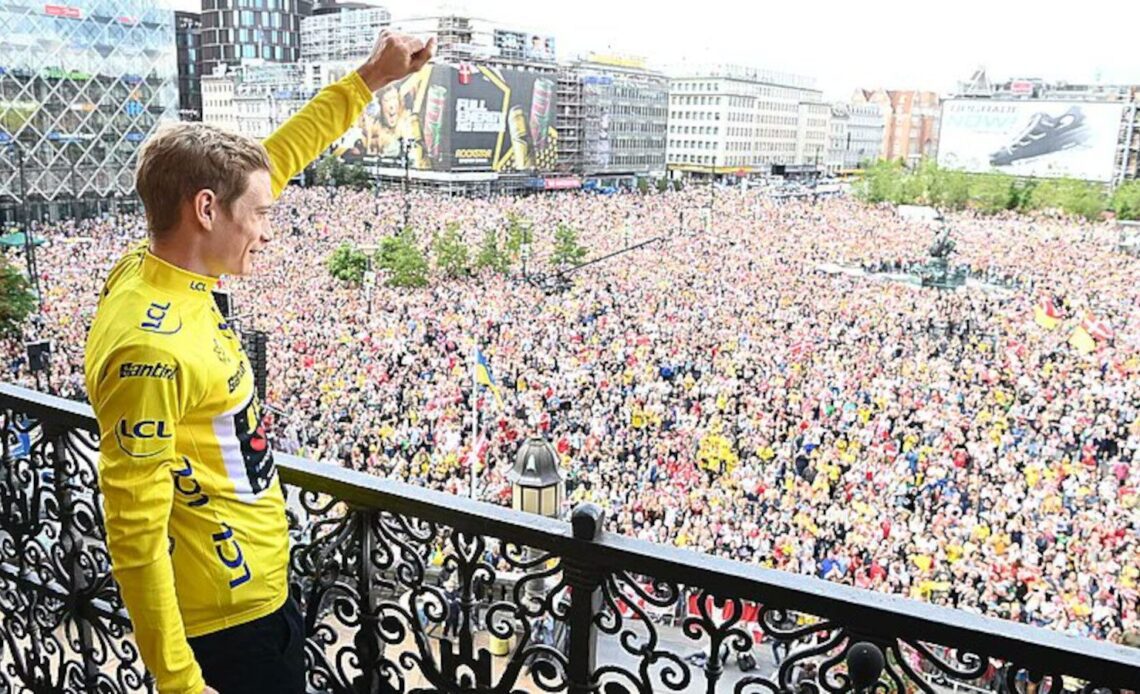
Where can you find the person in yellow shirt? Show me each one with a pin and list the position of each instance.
(188, 481)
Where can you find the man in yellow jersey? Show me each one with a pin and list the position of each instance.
(194, 514)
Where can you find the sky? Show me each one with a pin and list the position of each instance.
(843, 45)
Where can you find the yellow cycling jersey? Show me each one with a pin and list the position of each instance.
(194, 513)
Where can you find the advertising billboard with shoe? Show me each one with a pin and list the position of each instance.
(1041, 139)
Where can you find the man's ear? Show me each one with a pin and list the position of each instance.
(205, 208)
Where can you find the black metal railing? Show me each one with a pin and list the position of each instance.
(523, 603)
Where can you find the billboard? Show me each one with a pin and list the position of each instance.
(460, 118)
(1045, 139)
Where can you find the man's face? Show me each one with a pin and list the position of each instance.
(390, 103)
(242, 231)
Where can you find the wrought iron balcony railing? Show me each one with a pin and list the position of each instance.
(530, 604)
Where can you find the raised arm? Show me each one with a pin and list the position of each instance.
(333, 111)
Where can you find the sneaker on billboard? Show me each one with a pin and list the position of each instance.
(1043, 135)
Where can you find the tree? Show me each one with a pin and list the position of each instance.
(518, 234)
(451, 255)
(1126, 200)
(348, 264)
(331, 170)
(491, 257)
(16, 300)
(678, 185)
(1073, 197)
(992, 193)
(951, 190)
(643, 185)
(402, 259)
(567, 250)
(662, 185)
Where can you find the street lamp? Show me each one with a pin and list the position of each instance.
(29, 246)
(537, 484)
(538, 487)
(406, 144)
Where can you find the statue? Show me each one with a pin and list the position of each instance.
(943, 246)
(937, 272)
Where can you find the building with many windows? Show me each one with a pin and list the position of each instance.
(237, 30)
(911, 121)
(855, 135)
(188, 37)
(81, 86)
(341, 32)
(728, 119)
(615, 117)
(463, 38)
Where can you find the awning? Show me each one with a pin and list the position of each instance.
(17, 240)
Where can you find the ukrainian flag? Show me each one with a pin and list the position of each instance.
(483, 376)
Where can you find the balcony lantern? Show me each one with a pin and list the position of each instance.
(536, 479)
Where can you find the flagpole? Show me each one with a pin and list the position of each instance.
(474, 418)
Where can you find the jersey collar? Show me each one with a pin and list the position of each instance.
(162, 275)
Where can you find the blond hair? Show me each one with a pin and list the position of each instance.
(181, 159)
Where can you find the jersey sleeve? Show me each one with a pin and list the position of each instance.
(139, 399)
(316, 126)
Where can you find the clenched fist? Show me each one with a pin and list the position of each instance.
(394, 57)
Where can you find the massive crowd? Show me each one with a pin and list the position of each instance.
(941, 445)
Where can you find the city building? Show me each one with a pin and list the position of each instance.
(570, 120)
(811, 132)
(733, 120)
(341, 32)
(461, 38)
(218, 98)
(255, 98)
(837, 137)
(982, 87)
(81, 85)
(864, 141)
(911, 122)
(237, 30)
(855, 136)
(616, 111)
(188, 38)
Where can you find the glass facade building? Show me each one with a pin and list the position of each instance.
(81, 86)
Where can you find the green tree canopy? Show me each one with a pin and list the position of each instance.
(347, 263)
(16, 300)
(402, 259)
(451, 256)
(567, 250)
(491, 255)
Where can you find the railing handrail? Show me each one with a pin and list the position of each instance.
(876, 614)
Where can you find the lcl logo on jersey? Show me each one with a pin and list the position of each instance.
(145, 438)
(226, 544)
(156, 315)
(198, 286)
